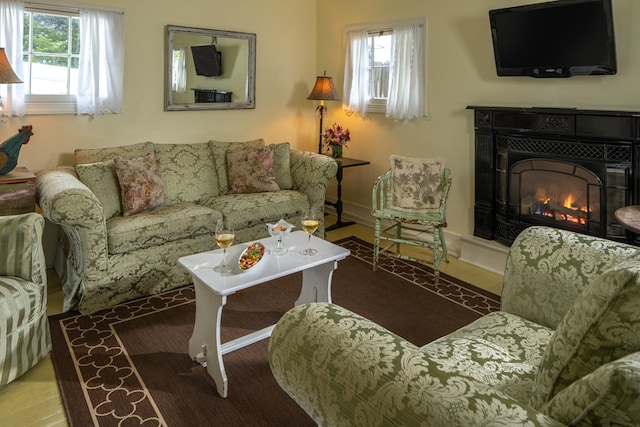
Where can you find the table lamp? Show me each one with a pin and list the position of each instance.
(7, 75)
(324, 90)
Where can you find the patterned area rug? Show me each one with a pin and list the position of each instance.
(128, 365)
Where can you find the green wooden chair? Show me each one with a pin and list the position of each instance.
(412, 196)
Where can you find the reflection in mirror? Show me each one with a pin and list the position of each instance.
(209, 69)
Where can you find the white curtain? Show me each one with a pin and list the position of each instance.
(100, 73)
(179, 71)
(11, 24)
(356, 73)
(405, 100)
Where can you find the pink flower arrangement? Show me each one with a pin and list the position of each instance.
(336, 135)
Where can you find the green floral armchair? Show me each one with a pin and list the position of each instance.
(24, 328)
(563, 350)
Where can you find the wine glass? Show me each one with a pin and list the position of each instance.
(310, 223)
(224, 239)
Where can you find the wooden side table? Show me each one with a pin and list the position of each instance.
(629, 217)
(343, 162)
(17, 192)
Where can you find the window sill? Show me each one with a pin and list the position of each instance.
(45, 108)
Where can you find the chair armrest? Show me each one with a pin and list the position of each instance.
(66, 201)
(345, 370)
(311, 172)
(548, 268)
(21, 247)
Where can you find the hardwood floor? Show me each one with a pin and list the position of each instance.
(34, 399)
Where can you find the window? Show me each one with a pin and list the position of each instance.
(384, 70)
(71, 59)
(51, 47)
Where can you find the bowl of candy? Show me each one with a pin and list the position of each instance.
(278, 231)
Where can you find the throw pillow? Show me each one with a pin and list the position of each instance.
(610, 395)
(140, 184)
(219, 150)
(282, 165)
(601, 326)
(251, 170)
(416, 184)
(102, 180)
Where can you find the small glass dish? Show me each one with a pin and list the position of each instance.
(278, 231)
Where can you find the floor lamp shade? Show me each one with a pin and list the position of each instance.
(323, 90)
(7, 75)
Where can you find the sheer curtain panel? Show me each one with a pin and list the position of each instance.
(356, 73)
(100, 73)
(11, 25)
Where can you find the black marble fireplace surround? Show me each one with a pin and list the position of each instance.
(561, 167)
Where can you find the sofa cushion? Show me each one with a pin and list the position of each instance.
(282, 164)
(188, 172)
(250, 170)
(161, 225)
(102, 180)
(141, 186)
(246, 210)
(416, 183)
(93, 155)
(500, 350)
(602, 325)
(219, 150)
(610, 395)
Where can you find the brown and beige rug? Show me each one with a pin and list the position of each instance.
(128, 366)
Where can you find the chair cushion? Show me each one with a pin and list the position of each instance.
(602, 325)
(141, 186)
(188, 172)
(102, 180)
(500, 350)
(610, 395)
(246, 210)
(160, 225)
(416, 184)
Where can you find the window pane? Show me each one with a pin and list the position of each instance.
(50, 33)
(380, 54)
(75, 36)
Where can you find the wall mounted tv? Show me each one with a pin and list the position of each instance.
(208, 60)
(561, 38)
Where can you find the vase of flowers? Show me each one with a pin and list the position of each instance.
(336, 137)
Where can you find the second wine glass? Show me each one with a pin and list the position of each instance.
(310, 224)
(224, 239)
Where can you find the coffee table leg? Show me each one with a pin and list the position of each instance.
(316, 283)
(204, 345)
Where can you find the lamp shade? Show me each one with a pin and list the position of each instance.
(7, 74)
(324, 90)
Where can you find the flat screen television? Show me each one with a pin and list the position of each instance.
(208, 60)
(561, 38)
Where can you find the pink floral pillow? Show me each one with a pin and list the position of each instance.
(140, 183)
(251, 170)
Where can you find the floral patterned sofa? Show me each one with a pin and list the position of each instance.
(128, 213)
(563, 350)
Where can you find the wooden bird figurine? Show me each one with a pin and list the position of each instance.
(10, 149)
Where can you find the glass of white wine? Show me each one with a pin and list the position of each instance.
(224, 239)
(310, 223)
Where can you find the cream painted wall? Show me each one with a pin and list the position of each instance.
(285, 73)
(460, 72)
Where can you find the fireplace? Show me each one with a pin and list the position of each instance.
(563, 168)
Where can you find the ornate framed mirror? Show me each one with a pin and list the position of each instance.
(209, 69)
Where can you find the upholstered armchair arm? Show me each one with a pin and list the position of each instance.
(311, 172)
(345, 370)
(66, 201)
(21, 247)
(548, 268)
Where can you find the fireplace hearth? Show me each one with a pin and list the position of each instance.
(565, 168)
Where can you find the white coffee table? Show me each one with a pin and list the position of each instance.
(213, 288)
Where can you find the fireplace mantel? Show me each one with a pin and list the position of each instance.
(596, 138)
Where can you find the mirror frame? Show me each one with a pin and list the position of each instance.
(250, 102)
